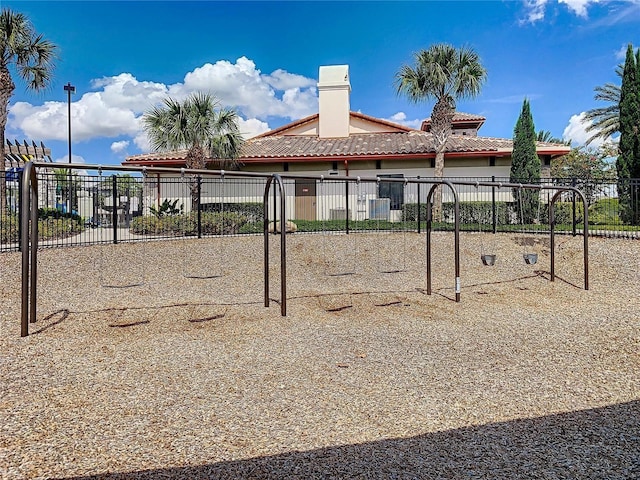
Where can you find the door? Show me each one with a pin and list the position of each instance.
(305, 199)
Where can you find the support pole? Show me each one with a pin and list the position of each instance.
(346, 215)
(114, 199)
(199, 213)
(418, 213)
(494, 212)
(24, 247)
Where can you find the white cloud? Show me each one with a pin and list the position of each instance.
(252, 127)
(119, 147)
(243, 86)
(579, 7)
(535, 9)
(91, 118)
(576, 131)
(116, 104)
(125, 91)
(401, 118)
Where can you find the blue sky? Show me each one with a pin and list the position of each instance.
(262, 58)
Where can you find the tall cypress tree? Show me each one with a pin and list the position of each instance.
(628, 163)
(525, 165)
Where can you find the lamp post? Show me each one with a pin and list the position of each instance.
(69, 89)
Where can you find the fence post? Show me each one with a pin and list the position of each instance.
(574, 182)
(200, 207)
(346, 214)
(20, 206)
(114, 214)
(494, 219)
(418, 178)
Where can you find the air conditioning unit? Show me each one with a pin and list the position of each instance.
(379, 208)
(338, 213)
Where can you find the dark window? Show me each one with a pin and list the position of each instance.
(378, 164)
(433, 163)
(492, 161)
(285, 166)
(547, 160)
(334, 166)
(392, 190)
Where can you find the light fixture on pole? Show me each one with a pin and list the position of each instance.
(69, 89)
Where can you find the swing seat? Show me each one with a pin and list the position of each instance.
(530, 258)
(488, 260)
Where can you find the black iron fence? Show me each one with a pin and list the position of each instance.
(106, 207)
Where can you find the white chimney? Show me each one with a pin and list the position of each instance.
(333, 99)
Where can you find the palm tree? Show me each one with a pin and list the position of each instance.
(444, 74)
(200, 126)
(547, 137)
(31, 57)
(605, 121)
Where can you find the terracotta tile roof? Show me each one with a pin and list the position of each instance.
(463, 117)
(372, 144)
(365, 145)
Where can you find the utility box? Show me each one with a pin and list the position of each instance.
(338, 214)
(379, 208)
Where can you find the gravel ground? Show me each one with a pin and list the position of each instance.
(366, 377)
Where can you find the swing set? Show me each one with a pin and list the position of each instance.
(489, 259)
(529, 257)
(29, 225)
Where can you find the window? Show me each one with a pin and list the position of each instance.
(492, 161)
(392, 190)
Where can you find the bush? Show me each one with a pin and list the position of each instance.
(604, 212)
(51, 227)
(563, 212)
(178, 225)
(253, 211)
(46, 213)
(9, 229)
(470, 212)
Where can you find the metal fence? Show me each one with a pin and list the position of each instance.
(111, 207)
(344, 200)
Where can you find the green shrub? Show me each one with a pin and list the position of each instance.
(178, 225)
(51, 227)
(563, 212)
(167, 208)
(470, 212)
(253, 211)
(45, 213)
(9, 229)
(604, 212)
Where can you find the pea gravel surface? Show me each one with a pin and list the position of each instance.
(160, 360)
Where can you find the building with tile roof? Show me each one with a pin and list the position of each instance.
(338, 141)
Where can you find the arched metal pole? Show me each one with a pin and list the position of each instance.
(28, 248)
(456, 235)
(265, 220)
(585, 233)
(283, 243)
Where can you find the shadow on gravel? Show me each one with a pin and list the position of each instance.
(595, 444)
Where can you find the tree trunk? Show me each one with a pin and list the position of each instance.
(195, 159)
(6, 90)
(441, 129)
